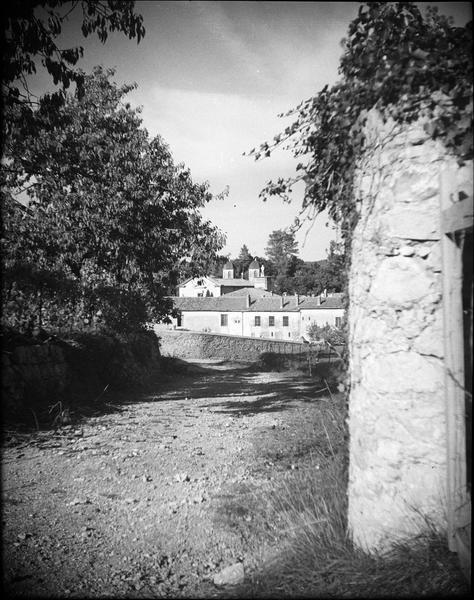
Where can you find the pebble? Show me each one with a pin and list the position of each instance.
(231, 575)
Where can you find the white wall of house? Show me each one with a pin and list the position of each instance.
(282, 328)
(260, 282)
(278, 325)
(212, 321)
(199, 287)
(320, 316)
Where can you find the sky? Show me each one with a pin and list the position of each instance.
(212, 78)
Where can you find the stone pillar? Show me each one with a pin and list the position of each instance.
(397, 420)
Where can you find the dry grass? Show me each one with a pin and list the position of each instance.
(302, 514)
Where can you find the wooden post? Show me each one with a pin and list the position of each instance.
(453, 359)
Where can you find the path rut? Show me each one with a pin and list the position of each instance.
(136, 500)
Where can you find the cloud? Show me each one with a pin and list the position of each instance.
(209, 132)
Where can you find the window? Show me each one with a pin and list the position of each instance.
(285, 321)
(338, 321)
(257, 321)
(271, 321)
(224, 320)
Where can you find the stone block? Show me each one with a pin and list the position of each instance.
(434, 260)
(400, 280)
(21, 355)
(423, 250)
(56, 353)
(407, 250)
(411, 322)
(411, 185)
(403, 373)
(412, 222)
(430, 340)
(417, 135)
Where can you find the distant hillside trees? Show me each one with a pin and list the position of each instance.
(289, 273)
(328, 274)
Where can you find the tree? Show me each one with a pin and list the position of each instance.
(109, 212)
(281, 247)
(31, 29)
(334, 268)
(308, 278)
(243, 261)
(405, 64)
(281, 251)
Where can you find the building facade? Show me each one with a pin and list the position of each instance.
(253, 312)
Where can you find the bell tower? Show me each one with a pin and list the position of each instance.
(228, 271)
(254, 270)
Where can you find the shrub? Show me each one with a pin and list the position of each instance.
(330, 334)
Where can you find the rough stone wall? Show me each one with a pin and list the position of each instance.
(43, 373)
(189, 344)
(39, 370)
(397, 422)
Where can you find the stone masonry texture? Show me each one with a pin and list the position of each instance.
(397, 422)
(188, 344)
(48, 372)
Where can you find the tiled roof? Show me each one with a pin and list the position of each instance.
(254, 265)
(221, 303)
(269, 303)
(231, 282)
(273, 304)
(334, 301)
(252, 291)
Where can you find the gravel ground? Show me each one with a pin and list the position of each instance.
(135, 499)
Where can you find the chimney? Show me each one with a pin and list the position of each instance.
(281, 301)
(325, 293)
(297, 298)
(318, 300)
(247, 303)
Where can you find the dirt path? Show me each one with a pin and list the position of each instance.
(136, 500)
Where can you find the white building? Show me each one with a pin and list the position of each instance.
(213, 287)
(254, 312)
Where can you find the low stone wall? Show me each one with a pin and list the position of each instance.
(397, 412)
(190, 344)
(41, 374)
(39, 371)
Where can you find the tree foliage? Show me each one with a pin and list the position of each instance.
(31, 30)
(398, 61)
(281, 251)
(281, 247)
(110, 215)
(242, 262)
(334, 335)
(315, 277)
